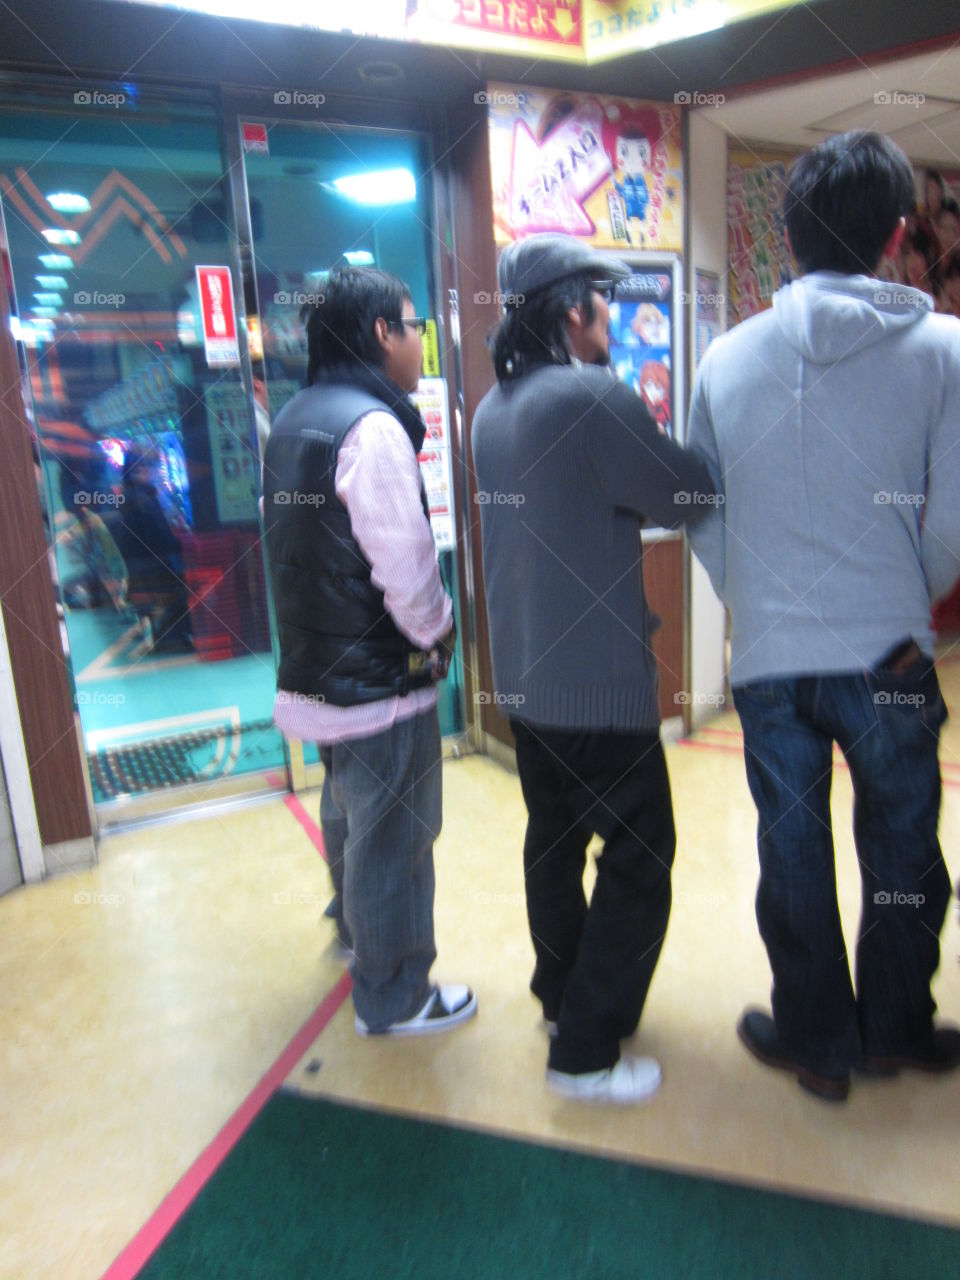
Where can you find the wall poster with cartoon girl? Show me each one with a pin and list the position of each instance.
(642, 346)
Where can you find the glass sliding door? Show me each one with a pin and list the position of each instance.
(320, 196)
(116, 211)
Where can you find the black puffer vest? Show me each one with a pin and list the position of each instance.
(337, 639)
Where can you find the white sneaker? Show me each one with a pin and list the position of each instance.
(446, 1007)
(629, 1080)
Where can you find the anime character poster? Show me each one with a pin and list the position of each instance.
(707, 301)
(606, 169)
(760, 261)
(929, 255)
(641, 341)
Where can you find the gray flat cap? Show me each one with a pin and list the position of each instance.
(529, 265)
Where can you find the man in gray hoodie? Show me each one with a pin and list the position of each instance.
(832, 425)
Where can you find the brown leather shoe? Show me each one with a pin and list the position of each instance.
(941, 1053)
(758, 1033)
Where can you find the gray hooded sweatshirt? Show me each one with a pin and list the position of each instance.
(831, 425)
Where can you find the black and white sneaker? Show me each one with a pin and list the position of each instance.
(446, 1007)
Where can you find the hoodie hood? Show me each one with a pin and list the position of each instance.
(827, 316)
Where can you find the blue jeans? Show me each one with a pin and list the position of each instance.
(381, 812)
(888, 728)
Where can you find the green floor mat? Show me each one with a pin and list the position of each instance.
(316, 1190)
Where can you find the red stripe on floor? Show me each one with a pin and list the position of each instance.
(146, 1242)
(709, 746)
(308, 824)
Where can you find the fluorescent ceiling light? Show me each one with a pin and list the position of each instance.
(49, 299)
(51, 282)
(54, 235)
(56, 261)
(382, 186)
(51, 312)
(359, 257)
(68, 202)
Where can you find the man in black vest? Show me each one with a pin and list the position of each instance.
(366, 632)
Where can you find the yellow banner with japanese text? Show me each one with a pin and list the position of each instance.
(581, 31)
(544, 28)
(615, 27)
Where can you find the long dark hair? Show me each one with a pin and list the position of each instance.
(536, 332)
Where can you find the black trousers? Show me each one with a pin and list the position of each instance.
(594, 964)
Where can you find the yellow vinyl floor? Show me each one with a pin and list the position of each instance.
(140, 1002)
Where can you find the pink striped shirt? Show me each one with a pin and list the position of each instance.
(378, 481)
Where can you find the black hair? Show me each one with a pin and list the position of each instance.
(949, 205)
(934, 175)
(844, 200)
(536, 332)
(340, 324)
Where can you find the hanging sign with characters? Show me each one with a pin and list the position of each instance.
(215, 291)
(606, 169)
(430, 398)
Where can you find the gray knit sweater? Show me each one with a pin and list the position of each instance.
(568, 460)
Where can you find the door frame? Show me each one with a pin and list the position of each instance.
(240, 105)
(70, 805)
(16, 772)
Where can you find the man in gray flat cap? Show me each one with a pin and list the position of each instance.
(568, 462)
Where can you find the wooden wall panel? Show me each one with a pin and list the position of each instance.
(476, 273)
(663, 584)
(30, 619)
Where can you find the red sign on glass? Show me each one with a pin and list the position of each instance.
(219, 320)
(255, 137)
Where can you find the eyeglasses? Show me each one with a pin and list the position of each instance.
(606, 288)
(414, 322)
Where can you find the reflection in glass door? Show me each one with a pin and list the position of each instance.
(146, 448)
(321, 197)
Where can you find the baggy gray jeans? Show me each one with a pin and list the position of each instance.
(381, 811)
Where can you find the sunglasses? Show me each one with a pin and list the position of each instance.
(606, 288)
(413, 322)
